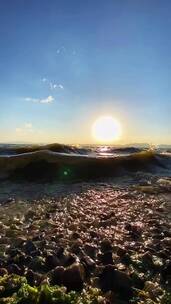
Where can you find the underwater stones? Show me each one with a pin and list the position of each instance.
(2, 262)
(30, 214)
(90, 250)
(93, 234)
(69, 259)
(88, 263)
(138, 281)
(167, 233)
(19, 241)
(37, 264)
(76, 246)
(108, 222)
(20, 259)
(11, 233)
(13, 252)
(30, 277)
(13, 268)
(73, 277)
(164, 253)
(167, 242)
(60, 252)
(51, 261)
(147, 260)
(56, 247)
(3, 271)
(106, 245)
(29, 247)
(166, 271)
(117, 281)
(126, 259)
(56, 275)
(75, 235)
(160, 208)
(4, 240)
(120, 251)
(106, 258)
(33, 278)
(27, 260)
(36, 253)
(153, 289)
(135, 228)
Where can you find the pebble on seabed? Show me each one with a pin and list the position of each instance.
(114, 237)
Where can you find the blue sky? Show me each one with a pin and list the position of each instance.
(64, 63)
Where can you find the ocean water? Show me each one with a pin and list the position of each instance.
(70, 163)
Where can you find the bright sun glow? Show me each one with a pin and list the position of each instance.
(106, 129)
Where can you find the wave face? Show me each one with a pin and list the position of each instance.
(68, 163)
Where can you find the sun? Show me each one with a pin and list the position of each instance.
(106, 129)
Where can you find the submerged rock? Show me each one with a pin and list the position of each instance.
(106, 245)
(106, 258)
(73, 277)
(117, 281)
(120, 251)
(57, 275)
(166, 271)
(90, 250)
(69, 259)
(13, 268)
(147, 260)
(29, 247)
(52, 261)
(34, 278)
(37, 264)
(3, 271)
(88, 263)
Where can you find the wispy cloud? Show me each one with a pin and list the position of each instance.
(31, 99)
(26, 128)
(61, 49)
(56, 86)
(60, 86)
(53, 85)
(49, 99)
(44, 79)
(28, 125)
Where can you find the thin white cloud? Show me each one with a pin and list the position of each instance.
(61, 49)
(60, 86)
(32, 99)
(44, 79)
(53, 85)
(26, 128)
(28, 125)
(56, 86)
(49, 99)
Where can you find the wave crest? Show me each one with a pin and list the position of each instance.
(48, 164)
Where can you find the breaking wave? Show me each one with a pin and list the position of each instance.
(70, 162)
